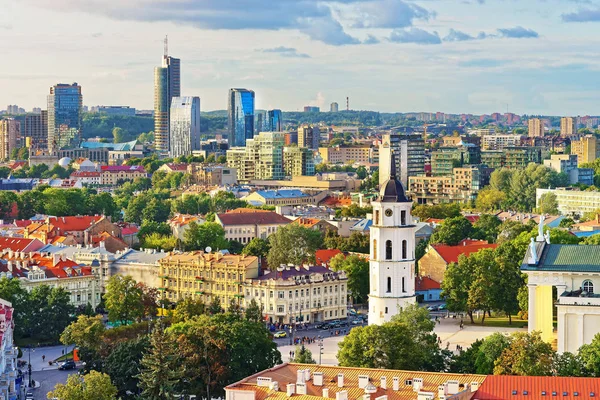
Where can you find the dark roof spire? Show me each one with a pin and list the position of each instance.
(392, 166)
(392, 190)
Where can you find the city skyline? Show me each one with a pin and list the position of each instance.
(472, 57)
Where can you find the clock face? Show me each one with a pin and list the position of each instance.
(388, 212)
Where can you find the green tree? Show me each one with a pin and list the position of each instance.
(510, 230)
(442, 211)
(548, 204)
(156, 210)
(253, 312)
(188, 308)
(257, 247)
(200, 236)
(293, 244)
(594, 239)
(160, 367)
(215, 306)
(527, 355)
(303, 356)
(8, 200)
(30, 203)
(85, 332)
(487, 227)
(51, 311)
(92, 386)
(149, 227)
(119, 135)
(590, 356)
(569, 364)
(122, 364)
(489, 351)
(464, 362)
(489, 199)
(123, 299)
(12, 291)
(452, 231)
(357, 271)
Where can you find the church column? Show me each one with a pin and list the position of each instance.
(531, 309)
(581, 330)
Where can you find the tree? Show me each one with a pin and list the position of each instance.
(548, 204)
(452, 231)
(149, 227)
(489, 199)
(487, 227)
(92, 386)
(187, 309)
(527, 355)
(8, 200)
(594, 239)
(123, 299)
(200, 236)
(293, 244)
(505, 279)
(303, 356)
(215, 306)
(489, 351)
(156, 210)
(569, 364)
(257, 247)
(118, 135)
(122, 364)
(464, 362)
(442, 211)
(85, 332)
(159, 242)
(12, 291)
(253, 312)
(51, 311)
(357, 271)
(590, 356)
(509, 230)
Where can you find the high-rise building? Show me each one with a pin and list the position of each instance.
(240, 111)
(309, 136)
(312, 109)
(261, 158)
(64, 116)
(409, 154)
(185, 126)
(167, 84)
(34, 132)
(10, 130)
(260, 122)
(586, 149)
(568, 126)
(334, 107)
(536, 127)
(298, 161)
(275, 120)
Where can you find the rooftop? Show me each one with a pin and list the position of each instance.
(281, 194)
(322, 257)
(426, 283)
(291, 272)
(497, 387)
(212, 257)
(127, 146)
(252, 218)
(450, 254)
(565, 257)
(123, 168)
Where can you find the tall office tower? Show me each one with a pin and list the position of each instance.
(260, 159)
(409, 155)
(10, 130)
(167, 84)
(185, 126)
(334, 107)
(240, 111)
(64, 116)
(308, 136)
(568, 126)
(586, 149)
(536, 127)
(36, 110)
(34, 132)
(275, 120)
(260, 122)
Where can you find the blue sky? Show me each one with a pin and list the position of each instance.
(477, 56)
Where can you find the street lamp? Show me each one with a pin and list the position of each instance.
(29, 367)
(320, 348)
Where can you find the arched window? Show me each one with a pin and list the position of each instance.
(404, 245)
(403, 287)
(389, 285)
(588, 286)
(403, 217)
(377, 222)
(388, 250)
(375, 249)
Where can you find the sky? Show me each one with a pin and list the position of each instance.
(453, 56)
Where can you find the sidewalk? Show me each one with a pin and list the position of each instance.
(51, 353)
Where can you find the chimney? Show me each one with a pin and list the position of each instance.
(300, 376)
(306, 375)
(363, 380)
(383, 383)
(384, 397)
(341, 395)
(291, 388)
(417, 384)
(442, 389)
(325, 392)
(396, 383)
(301, 388)
(474, 386)
(453, 387)
(340, 381)
(318, 379)
(274, 386)
(10, 266)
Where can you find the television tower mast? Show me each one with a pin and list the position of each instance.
(166, 46)
(347, 103)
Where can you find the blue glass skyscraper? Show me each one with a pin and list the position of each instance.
(275, 120)
(240, 110)
(64, 116)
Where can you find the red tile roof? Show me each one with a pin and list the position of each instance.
(307, 222)
(322, 257)
(123, 168)
(130, 230)
(20, 244)
(450, 253)
(177, 167)
(472, 218)
(75, 223)
(434, 220)
(252, 218)
(336, 201)
(85, 174)
(501, 387)
(426, 283)
(22, 223)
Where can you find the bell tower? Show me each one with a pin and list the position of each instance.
(392, 260)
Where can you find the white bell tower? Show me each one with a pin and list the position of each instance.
(392, 261)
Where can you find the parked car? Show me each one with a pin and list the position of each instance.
(432, 308)
(321, 325)
(357, 322)
(67, 365)
(280, 334)
(443, 307)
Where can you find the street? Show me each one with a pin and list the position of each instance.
(48, 379)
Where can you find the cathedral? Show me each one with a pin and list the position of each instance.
(392, 255)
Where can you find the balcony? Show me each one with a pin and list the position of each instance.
(200, 279)
(162, 289)
(579, 298)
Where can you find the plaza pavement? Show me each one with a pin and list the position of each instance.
(51, 353)
(448, 330)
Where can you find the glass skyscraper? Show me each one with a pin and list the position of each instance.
(275, 121)
(64, 116)
(240, 110)
(185, 126)
(167, 84)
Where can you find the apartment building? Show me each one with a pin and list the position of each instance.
(206, 276)
(113, 174)
(244, 224)
(409, 153)
(512, 157)
(445, 159)
(347, 154)
(212, 175)
(262, 158)
(572, 201)
(536, 127)
(499, 142)
(460, 187)
(586, 149)
(567, 163)
(298, 161)
(299, 294)
(568, 126)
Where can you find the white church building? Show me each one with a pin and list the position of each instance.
(392, 258)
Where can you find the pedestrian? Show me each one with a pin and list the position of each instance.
(43, 358)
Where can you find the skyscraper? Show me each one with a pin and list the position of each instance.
(167, 84)
(64, 116)
(536, 127)
(34, 131)
(9, 136)
(568, 126)
(260, 122)
(409, 155)
(185, 126)
(334, 107)
(309, 136)
(240, 110)
(275, 121)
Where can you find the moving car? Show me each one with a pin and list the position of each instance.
(67, 365)
(280, 334)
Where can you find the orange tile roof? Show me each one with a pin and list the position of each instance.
(307, 222)
(74, 223)
(287, 373)
(426, 283)
(246, 210)
(322, 257)
(450, 253)
(501, 387)
(336, 201)
(19, 244)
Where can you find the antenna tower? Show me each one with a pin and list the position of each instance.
(166, 45)
(347, 103)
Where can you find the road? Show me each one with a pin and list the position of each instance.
(48, 379)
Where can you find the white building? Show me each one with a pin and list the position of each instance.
(185, 126)
(8, 353)
(575, 271)
(392, 260)
(572, 201)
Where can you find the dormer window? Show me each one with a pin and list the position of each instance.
(588, 286)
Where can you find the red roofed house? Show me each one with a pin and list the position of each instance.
(428, 288)
(113, 174)
(316, 224)
(322, 257)
(248, 224)
(173, 167)
(180, 222)
(20, 244)
(87, 177)
(502, 387)
(435, 261)
(84, 229)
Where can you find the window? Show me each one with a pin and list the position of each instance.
(388, 250)
(588, 286)
(389, 285)
(403, 288)
(404, 245)
(403, 217)
(290, 294)
(386, 310)
(377, 217)
(375, 249)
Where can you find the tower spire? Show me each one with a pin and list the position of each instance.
(166, 45)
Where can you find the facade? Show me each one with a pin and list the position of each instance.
(309, 136)
(34, 130)
(298, 161)
(536, 127)
(180, 222)
(348, 154)
(10, 134)
(567, 163)
(82, 230)
(261, 158)
(89, 178)
(243, 225)
(334, 107)
(275, 122)
(586, 149)
(568, 126)
(511, 157)
(392, 254)
(142, 265)
(9, 388)
(460, 187)
(167, 84)
(409, 154)
(240, 111)
(283, 197)
(299, 294)
(312, 109)
(185, 126)
(203, 276)
(64, 116)
(445, 159)
(572, 201)
(212, 175)
(499, 141)
(112, 174)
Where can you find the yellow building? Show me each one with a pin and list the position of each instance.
(204, 276)
(9, 136)
(536, 127)
(585, 148)
(113, 174)
(568, 126)
(460, 187)
(347, 154)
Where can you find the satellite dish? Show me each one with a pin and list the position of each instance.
(208, 249)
